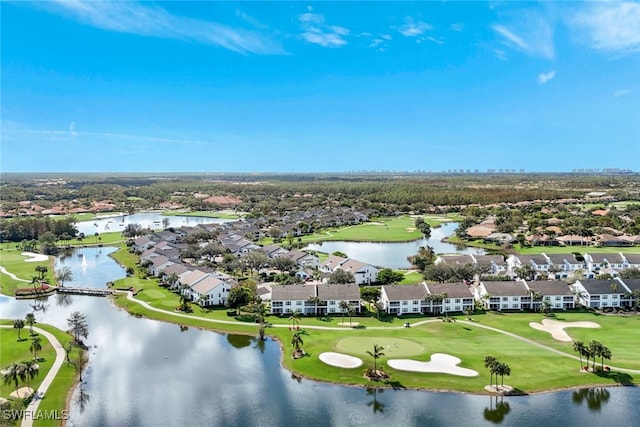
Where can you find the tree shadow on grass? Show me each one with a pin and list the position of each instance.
(619, 377)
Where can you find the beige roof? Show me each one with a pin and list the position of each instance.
(348, 292)
(207, 284)
(292, 292)
(453, 290)
(405, 292)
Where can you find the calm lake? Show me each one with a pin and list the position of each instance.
(148, 373)
(394, 255)
(152, 220)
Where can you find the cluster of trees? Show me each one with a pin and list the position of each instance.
(38, 231)
(442, 272)
(496, 368)
(591, 351)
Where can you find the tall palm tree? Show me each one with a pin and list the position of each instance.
(13, 374)
(489, 363)
(295, 318)
(296, 341)
(30, 319)
(605, 353)
(578, 347)
(41, 270)
(30, 369)
(172, 280)
(18, 324)
(595, 350)
(343, 306)
(36, 345)
(502, 369)
(376, 354)
(351, 311)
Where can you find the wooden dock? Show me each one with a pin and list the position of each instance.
(97, 292)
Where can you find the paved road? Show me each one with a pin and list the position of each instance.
(44, 386)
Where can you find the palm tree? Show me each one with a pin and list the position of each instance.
(376, 354)
(18, 324)
(343, 306)
(502, 369)
(30, 319)
(605, 353)
(13, 374)
(172, 280)
(64, 274)
(36, 345)
(295, 318)
(30, 370)
(296, 341)
(490, 362)
(351, 311)
(578, 347)
(595, 350)
(41, 270)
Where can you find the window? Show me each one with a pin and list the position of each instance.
(332, 303)
(287, 303)
(332, 310)
(298, 302)
(515, 306)
(457, 308)
(505, 298)
(416, 302)
(405, 302)
(516, 298)
(558, 298)
(457, 300)
(416, 309)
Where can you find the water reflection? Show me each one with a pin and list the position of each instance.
(90, 267)
(595, 397)
(496, 412)
(239, 341)
(394, 255)
(152, 220)
(81, 399)
(375, 404)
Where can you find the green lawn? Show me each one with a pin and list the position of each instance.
(533, 368)
(17, 351)
(15, 263)
(390, 229)
(411, 278)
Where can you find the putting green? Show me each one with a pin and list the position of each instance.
(169, 303)
(154, 293)
(393, 347)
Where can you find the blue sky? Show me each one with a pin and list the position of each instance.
(319, 86)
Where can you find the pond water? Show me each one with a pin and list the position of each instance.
(394, 255)
(92, 267)
(148, 373)
(152, 220)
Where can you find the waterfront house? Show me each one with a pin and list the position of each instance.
(600, 293)
(512, 295)
(404, 299)
(289, 298)
(210, 291)
(332, 295)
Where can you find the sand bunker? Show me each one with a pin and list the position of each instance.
(34, 257)
(440, 363)
(22, 393)
(556, 328)
(340, 360)
(352, 324)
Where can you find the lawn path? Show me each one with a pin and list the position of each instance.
(13, 276)
(44, 386)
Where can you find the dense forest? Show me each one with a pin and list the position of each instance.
(261, 194)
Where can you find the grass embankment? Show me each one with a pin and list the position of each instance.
(533, 368)
(17, 351)
(390, 229)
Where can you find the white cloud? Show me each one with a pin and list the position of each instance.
(413, 28)
(386, 36)
(375, 42)
(154, 21)
(545, 77)
(72, 128)
(537, 42)
(500, 54)
(458, 26)
(621, 92)
(433, 39)
(316, 31)
(611, 26)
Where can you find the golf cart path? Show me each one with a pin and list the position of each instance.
(44, 386)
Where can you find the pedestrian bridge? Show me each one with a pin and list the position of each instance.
(85, 291)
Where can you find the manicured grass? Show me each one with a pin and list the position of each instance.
(15, 263)
(412, 278)
(15, 351)
(391, 229)
(392, 347)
